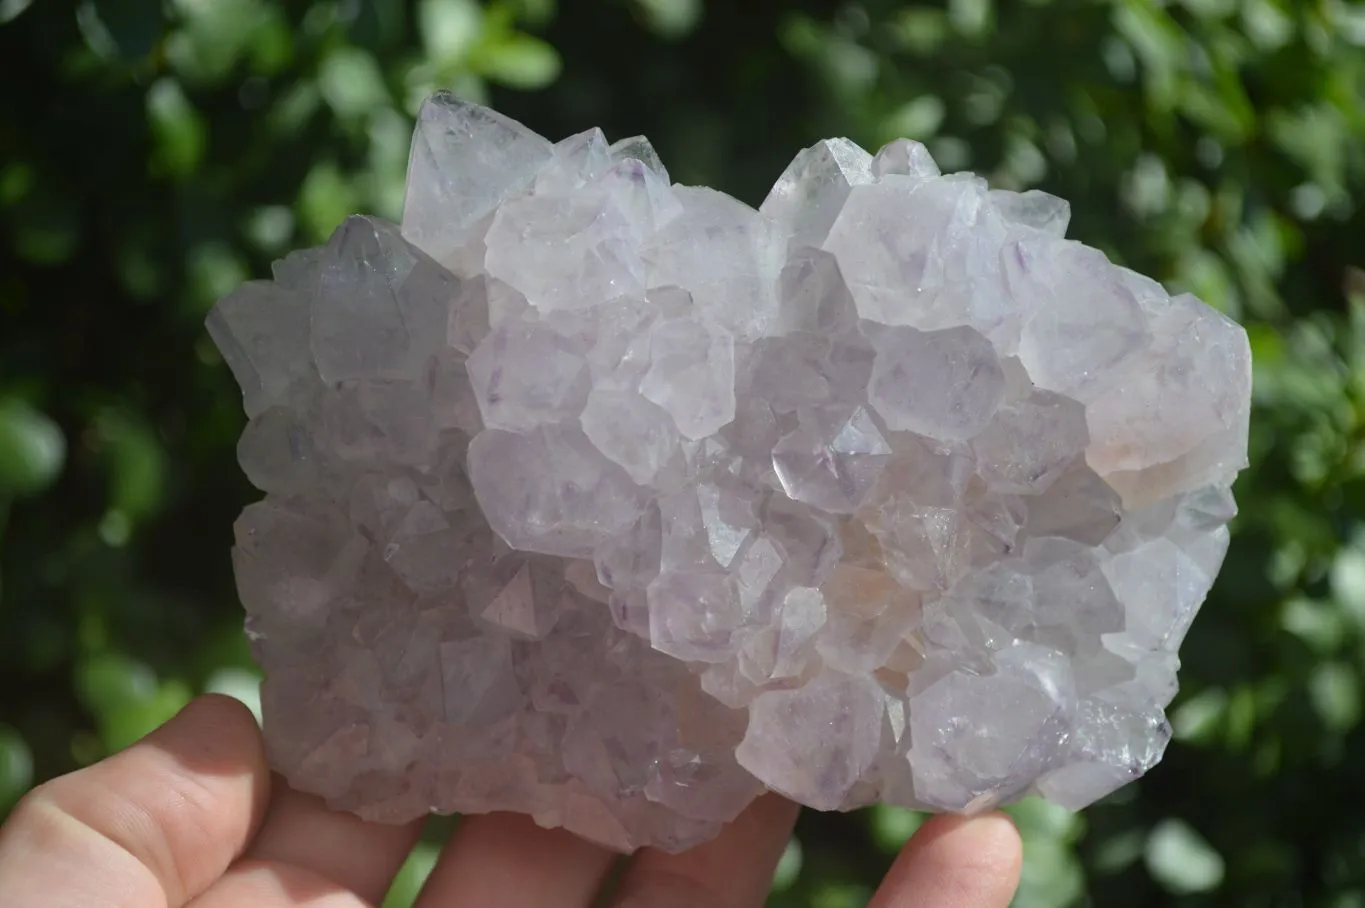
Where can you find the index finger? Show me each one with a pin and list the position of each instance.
(153, 825)
(955, 862)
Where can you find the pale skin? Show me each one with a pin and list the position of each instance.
(190, 817)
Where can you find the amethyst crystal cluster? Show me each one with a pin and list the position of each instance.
(617, 502)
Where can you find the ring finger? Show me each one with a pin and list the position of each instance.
(734, 870)
(505, 859)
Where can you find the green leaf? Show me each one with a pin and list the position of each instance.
(352, 84)
(107, 681)
(1052, 876)
(1159, 43)
(518, 61)
(849, 68)
(179, 132)
(326, 199)
(450, 29)
(1348, 20)
(1226, 114)
(131, 721)
(970, 18)
(788, 866)
(32, 450)
(96, 34)
(1039, 819)
(215, 269)
(918, 119)
(832, 894)
(126, 697)
(892, 827)
(408, 883)
(1207, 276)
(1268, 26)
(1348, 583)
(16, 767)
(16, 182)
(270, 227)
(1315, 137)
(1335, 691)
(1318, 624)
(213, 37)
(1118, 851)
(671, 18)
(135, 461)
(272, 45)
(390, 135)
(294, 109)
(12, 9)
(920, 30)
(1198, 718)
(1181, 860)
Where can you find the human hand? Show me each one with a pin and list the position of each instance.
(190, 816)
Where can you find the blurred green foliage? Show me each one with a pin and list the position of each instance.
(154, 154)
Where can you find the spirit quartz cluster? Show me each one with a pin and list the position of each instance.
(617, 503)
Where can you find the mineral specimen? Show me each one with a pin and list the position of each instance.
(617, 502)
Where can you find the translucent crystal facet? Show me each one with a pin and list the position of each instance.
(616, 502)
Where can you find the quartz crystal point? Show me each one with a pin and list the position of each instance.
(616, 502)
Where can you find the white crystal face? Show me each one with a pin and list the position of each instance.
(617, 503)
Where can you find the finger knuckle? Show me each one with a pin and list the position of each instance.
(48, 821)
(113, 827)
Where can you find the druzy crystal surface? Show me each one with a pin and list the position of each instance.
(617, 502)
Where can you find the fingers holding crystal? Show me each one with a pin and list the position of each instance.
(505, 859)
(272, 884)
(613, 502)
(352, 854)
(955, 862)
(733, 870)
(152, 826)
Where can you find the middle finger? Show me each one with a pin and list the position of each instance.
(505, 859)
